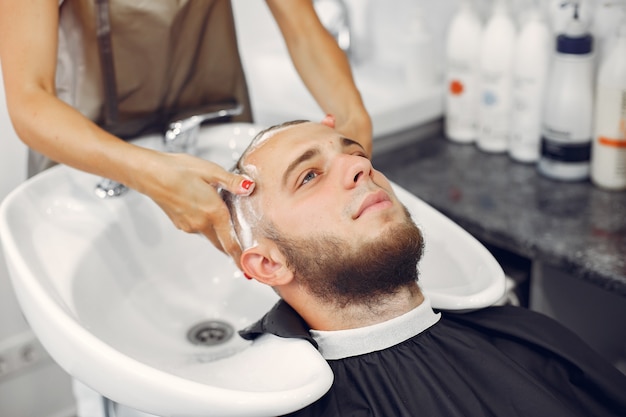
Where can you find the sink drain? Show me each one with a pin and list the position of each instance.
(210, 333)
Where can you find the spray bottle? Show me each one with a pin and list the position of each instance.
(567, 126)
(608, 157)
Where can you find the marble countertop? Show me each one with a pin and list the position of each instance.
(575, 227)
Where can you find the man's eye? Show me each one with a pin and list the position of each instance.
(309, 176)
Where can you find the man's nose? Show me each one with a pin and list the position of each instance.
(356, 170)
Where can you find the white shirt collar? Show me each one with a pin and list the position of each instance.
(339, 344)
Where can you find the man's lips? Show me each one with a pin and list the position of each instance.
(377, 200)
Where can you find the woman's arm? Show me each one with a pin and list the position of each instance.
(323, 67)
(183, 186)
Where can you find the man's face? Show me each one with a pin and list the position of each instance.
(344, 235)
(313, 182)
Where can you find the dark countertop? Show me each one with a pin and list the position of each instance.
(575, 227)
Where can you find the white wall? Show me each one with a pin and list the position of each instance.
(12, 151)
(42, 390)
(394, 97)
(12, 173)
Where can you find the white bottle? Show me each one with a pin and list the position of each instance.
(462, 61)
(567, 124)
(533, 48)
(496, 74)
(608, 156)
(420, 63)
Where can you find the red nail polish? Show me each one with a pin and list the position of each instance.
(247, 276)
(246, 184)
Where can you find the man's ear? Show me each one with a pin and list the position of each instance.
(266, 264)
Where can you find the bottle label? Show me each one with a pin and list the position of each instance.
(495, 105)
(612, 143)
(461, 112)
(526, 116)
(610, 127)
(565, 152)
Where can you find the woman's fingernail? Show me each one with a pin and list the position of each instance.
(247, 276)
(247, 185)
(329, 120)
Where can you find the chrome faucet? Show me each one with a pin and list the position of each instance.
(107, 188)
(181, 136)
(335, 17)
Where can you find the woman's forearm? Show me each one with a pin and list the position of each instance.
(57, 130)
(323, 67)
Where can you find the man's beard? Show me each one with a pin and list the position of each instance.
(335, 272)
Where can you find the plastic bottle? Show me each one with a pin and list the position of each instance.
(420, 68)
(533, 49)
(608, 157)
(496, 74)
(567, 126)
(462, 63)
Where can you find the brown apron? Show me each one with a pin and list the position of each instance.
(168, 57)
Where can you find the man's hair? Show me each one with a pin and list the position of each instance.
(258, 140)
(232, 201)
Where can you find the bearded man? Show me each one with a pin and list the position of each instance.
(326, 231)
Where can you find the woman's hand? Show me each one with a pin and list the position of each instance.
(186, 189)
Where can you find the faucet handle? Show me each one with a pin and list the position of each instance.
(107, 188)
(182, 134)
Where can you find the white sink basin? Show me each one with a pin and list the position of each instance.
(112, 288)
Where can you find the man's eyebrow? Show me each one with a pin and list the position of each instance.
(307, 155)
(347, 142)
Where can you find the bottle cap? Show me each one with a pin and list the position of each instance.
(579, 45)
(576, 40)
